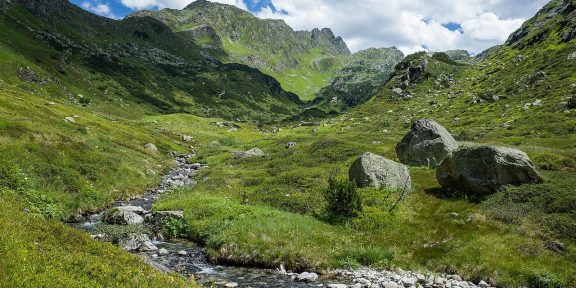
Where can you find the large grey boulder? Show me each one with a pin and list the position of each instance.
(427, 144)
(254, 152)
(481, 170)
(122, 217)
(307, 277)
(371, 170)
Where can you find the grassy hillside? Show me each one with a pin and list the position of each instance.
(304, 62)
(136, 62)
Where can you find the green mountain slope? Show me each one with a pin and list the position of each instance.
(303, 61)
(137, 60)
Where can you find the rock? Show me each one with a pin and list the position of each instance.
(307, 277)
(254, 152)
(572, 56)
(481, 170)
(376, 171)
(187, 138)
(408, 282)
(182, 253)
(310, 124)
(398, 91)
(163, 252)
(427, 144)
(151, 147)
(122, 217)
(290, 145)
(231, 285)
(148, 246)
(555, 246)
(483, 284)
(337, 286)
(389, 284)
(133, 241)
(135, 209)
(456, 278)
(69, 119)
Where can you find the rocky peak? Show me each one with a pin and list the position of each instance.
(197, 4)
(326, 35)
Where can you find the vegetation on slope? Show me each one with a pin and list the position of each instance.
(309, 63)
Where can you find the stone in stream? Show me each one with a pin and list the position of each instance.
(133, 241)
(427, 144)
(337, 286)
(182, 253)
(481, 170)
(122, 217)
(163, 252)
(135, 209)
(371, 170)
(231, 285)
(307, 277)
(147, 246)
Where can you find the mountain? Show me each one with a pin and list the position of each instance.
(304, 62)
(136, 60)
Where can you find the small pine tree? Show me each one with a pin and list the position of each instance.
(343, 197)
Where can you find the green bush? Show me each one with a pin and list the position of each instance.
(343, 197)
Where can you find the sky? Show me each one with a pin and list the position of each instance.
(410, 25)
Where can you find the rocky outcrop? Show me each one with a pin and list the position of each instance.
(481, 170)
(371, 170)
(427, 144)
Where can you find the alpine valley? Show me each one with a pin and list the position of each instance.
(208, 147)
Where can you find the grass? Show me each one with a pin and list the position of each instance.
(37, 252)
(243, 210)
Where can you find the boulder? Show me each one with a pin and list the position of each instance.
(254, 152)
(187, 138)
(307, 277)
(481, 170)
(133, 241)
(371, 170)
(122, 217)
(427, 144)
(150, 147)
(147, 246)
(290, 145)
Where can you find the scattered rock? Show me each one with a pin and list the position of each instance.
(290, 145)
(307, 277)
(483, 284)
(572, 56)
(337, 286)
(376, 171)
(69, 119)
(187, 138)
(231, 285)
(254, 152)
(133, 241)
(427, 144)
(182, 253)
(122, 217)
(481, 170)
(398, 91)
(163, 252)
(151, 147)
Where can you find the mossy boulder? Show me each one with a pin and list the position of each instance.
(481, 170)
(371, 170)
(427, 144)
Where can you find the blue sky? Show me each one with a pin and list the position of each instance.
(410, 25)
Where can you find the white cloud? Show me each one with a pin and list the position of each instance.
(99, 8)
(384, 23)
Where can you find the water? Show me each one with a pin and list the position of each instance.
(195, 262)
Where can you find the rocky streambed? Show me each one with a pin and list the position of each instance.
(138, 228)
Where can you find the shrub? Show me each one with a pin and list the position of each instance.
(343, 197)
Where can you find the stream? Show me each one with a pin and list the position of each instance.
(185, 257)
